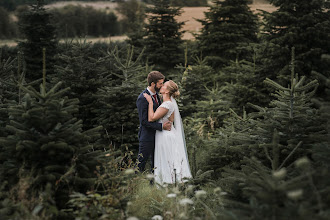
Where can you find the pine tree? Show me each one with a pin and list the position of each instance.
(133, 21)
(118, 113)
(276, 180)
(11, 84)
(163, 35)
(84, 74)
(194, 80)
(6, 69)
(321, 149)
(302, 24)
(37, 28)
(46, 145)
(290, 113)
(242, 84)
(228, 28)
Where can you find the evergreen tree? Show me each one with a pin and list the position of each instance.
(242, 84)
(39, 32)
(133, 21)
(118, 113)
(275, 179)
(229, 26)
(163, 35)
(290, 113)
(84, 74)
(11, 84)
(46, 145)
(6, 69)
(302, 24)
(194, 80)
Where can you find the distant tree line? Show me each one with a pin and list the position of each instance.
(70, 21)
(11, 5)
(74, 21)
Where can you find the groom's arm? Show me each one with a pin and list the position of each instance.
(142, 106)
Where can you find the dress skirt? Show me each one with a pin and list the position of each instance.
(171, 161)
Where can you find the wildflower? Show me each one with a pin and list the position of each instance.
(168, 214)
(302, 162)
(176, 190)
(107, 155)
(200, 193)
(157, 217)
(183, 216)
(171, 195)
(150, 176)
(190, 188)
(129, 203)
(217, 190)
(295, 194)
(132, 218)
(280, 174)
(186, 201)
(129, 171)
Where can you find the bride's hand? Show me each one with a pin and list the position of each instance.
(148, 97)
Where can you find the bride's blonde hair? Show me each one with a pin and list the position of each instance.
(173, 89)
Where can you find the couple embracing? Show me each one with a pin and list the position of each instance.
(161, 134)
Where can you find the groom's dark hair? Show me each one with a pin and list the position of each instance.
(154, 76)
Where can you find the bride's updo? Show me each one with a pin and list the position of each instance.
(173, 89)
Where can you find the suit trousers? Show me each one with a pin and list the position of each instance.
(146, 150)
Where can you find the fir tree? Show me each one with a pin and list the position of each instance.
(118, 113)
(229, 26)
(192, 86)
(242, 84)
(302, 24)
(11, 82)
(39, 32)
(290, 113)
(46, 145)
(133, 21)
(6, 69)
(84, 74)
(163, 35)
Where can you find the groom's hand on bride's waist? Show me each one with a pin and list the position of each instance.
(167, 125)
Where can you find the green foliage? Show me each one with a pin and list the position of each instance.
(242, 84)
(118, 113)
(304, 25)
(195, 79)
(163, 35)
(46, 145)
(78, 21)
(189, 3)
(7, 26)
(172, 202)
(39, 33)
(84, 74)
(11, 5)
(133, 13)
(228, 28)
(113, 188)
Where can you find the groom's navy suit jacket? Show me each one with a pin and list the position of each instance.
(147, 129)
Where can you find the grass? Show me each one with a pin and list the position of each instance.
(148, 200)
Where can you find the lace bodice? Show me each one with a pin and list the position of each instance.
(169, 105)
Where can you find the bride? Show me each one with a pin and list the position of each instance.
(171, 160)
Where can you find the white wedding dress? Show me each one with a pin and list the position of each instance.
(171, 159)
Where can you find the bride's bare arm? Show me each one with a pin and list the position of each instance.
(171, 118)
(154, 116)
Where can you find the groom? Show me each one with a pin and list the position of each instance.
(148, 129)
